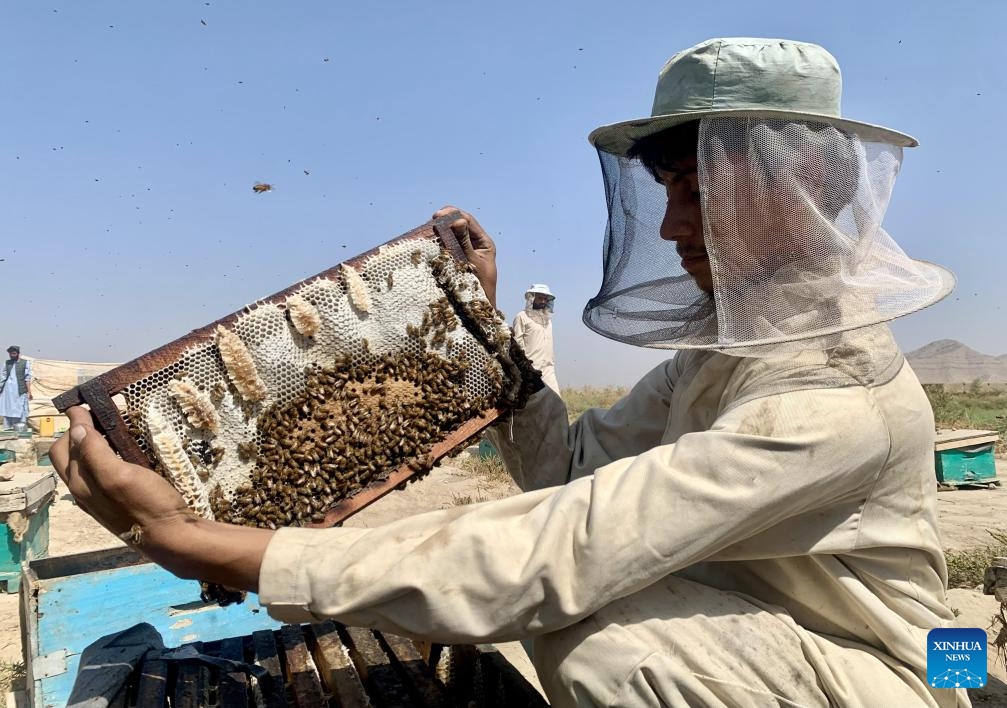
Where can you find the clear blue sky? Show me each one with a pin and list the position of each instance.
(132, 134)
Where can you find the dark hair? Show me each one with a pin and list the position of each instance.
(660, 150)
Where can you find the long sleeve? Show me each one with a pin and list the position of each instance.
(518, 329)
(543, 560)
(541, 449)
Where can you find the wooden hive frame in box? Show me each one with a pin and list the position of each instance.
(285, 412)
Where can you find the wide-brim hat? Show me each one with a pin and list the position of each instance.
(741, 77)
(539, 289)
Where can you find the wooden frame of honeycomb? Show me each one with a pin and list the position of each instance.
(353, 418)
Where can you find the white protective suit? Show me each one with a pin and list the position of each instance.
(533, 331)
(742, 531)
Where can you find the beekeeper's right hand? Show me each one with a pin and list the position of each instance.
(478, 247)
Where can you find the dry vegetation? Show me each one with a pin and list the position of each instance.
(982, 406)
(975, 405)
(966, 568)
(579, 400)
(12, 675)
(489, 468)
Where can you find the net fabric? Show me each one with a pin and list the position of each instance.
(529, 307)
(792, 216)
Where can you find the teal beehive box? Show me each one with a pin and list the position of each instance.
(25, 499)
(67, 602)
(963, 457)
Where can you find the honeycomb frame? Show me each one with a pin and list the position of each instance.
(312, 330)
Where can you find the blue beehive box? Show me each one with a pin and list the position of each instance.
(963, 457)
(68, 602)
(24, 521)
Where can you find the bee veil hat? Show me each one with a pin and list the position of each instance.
(792, 196)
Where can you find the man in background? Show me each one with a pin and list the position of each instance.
(533, 331)
(15, 392)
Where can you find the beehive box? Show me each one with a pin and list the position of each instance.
(69, 603)
(311, 403)
(24, 512)
(963, 457)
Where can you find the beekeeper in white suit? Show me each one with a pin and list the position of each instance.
(755, 523)
(533, 331)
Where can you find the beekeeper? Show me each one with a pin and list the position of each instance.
(755, 522)
(533, 331)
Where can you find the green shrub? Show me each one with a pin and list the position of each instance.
(976, 405)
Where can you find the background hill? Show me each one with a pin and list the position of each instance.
(951, 362)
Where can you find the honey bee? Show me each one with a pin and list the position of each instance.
(262, 187)
(217, 392)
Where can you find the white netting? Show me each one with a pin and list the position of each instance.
(342, 382)
(791, 222)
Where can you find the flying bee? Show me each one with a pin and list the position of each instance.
(262, 187)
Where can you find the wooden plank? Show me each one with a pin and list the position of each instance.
(191, 683)
(109, 422)
(29, 620)
(301, 674)
(971, 441)
(413, 670)
(964, 437)
(13, 499)
(26, 490)
(335, 668)
(503, 685)
(87, 562)
(232, 690)
(430, 651)
(266, 656)
(152, 683)
(382, 681)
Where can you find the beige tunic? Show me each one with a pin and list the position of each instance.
(736, 531)
(535, 338)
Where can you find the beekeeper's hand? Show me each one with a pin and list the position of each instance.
(478, 247)
(143, 509)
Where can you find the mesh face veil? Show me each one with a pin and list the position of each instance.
(791, 222)
(529, 304)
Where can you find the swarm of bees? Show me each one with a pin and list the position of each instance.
(352, 424)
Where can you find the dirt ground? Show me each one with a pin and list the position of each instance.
(965, 516)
